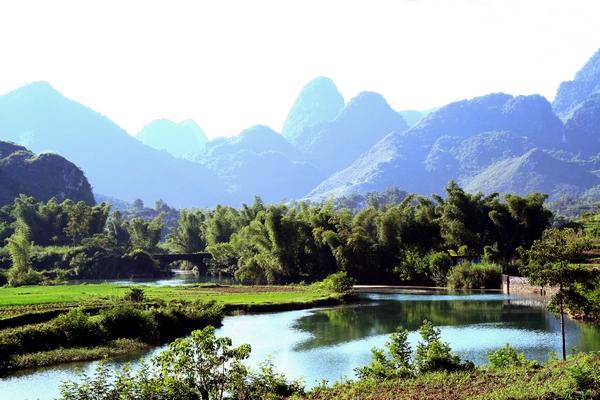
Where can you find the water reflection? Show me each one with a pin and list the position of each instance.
(334, 326)
(328, 343)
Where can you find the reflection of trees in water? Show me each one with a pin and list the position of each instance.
(343, 324)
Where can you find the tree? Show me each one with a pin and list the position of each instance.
(144, 234)
(550, 265)
(188, 237)
(79, 223)
(20, 248)
(208, 365)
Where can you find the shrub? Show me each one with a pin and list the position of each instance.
(413, 266)
(396, 365)
(135, 295)
(435, 355)
(30, 277)
(338, 282)
(474, 276)
(439, 265)
(266, 384)
(77, 328)
(586, 375)
(507, 357)
(127, 321)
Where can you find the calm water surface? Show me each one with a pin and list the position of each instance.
(328, 343)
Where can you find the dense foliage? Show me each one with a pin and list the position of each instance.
(411, 241)
(52, 240)
(200, 367)
(388, 237)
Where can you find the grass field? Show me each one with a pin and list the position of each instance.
(40, 297)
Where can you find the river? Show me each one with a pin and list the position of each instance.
(328, 343)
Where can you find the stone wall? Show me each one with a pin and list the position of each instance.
(520, 285)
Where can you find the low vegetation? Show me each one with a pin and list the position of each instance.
(474, 276)
(108, 314)
(47, 342)
(209, 368)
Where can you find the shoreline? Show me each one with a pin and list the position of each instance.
(35, 360)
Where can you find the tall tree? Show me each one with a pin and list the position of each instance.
(550, 264)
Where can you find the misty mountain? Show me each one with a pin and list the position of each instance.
(116, 164)
(572, 94)
(41, 176)
(458, 140)
(319, 101)
(260, 161)
(413, 117)
(363, 121)
(183, 140)
(534, 171)
(583, 128)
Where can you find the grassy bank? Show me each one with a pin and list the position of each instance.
(99, 293)
(44, 358)
(44, 325)
(577, 378)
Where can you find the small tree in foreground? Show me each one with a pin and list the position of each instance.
(432, 354)
(550, 265)
(200, 367)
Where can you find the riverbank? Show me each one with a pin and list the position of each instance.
(577, 378)
(35, 331)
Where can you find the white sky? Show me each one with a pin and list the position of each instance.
(232, 64)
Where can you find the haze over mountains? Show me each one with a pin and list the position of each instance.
(329, 147)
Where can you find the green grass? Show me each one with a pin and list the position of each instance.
(51, 357)
(101, 293)
(578, 378)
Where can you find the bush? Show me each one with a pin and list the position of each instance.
(396, 365)
(3, 277)
(179, 319)
(439, 265)
(77, 328)
(413, 267)
(507, 357)
(74, 328)
(475, 276)
(435, 355)
(30, 277)
(127, 321)
(339, 282)
(135, 295)
(266, 384)
(586, 375)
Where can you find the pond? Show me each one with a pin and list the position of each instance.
(328, 343)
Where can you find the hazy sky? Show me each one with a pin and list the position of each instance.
(233, 64)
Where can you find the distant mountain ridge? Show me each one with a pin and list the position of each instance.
(329, 148)
(319, 101)
(184, 139)
(41, 176)
(363, 121)
(534, 171)
(422, 159)
(572, 94)
(260, 161)
(118, 165)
